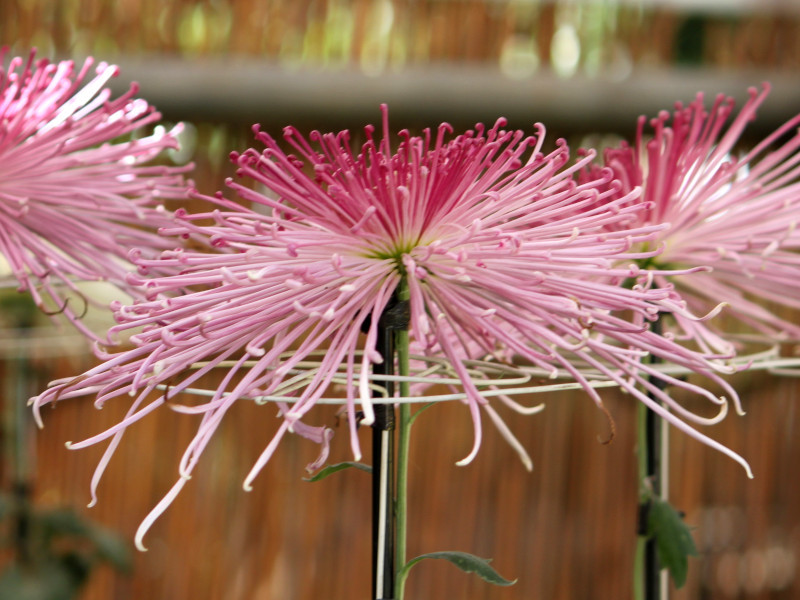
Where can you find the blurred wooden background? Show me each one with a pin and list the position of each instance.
(565, 531)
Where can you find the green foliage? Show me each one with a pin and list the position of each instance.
(106, 546)
(55, 551)
(17, 310)
(53, 579)
(673, 539)
(468, 563)
(331, 469)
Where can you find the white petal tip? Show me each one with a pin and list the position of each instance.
(37, 416)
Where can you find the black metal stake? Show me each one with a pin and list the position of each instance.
(655, 467)
(383, 476)
(652, 568)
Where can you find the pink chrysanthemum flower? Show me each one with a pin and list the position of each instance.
(76, 193)
(735, 214)
(503, 254)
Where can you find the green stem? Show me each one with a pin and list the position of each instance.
(641, 542)
(648, 572)
(404, 434)
(642, 452)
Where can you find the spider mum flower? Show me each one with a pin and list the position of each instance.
(75, 195)
(501, 251)
(737, 215)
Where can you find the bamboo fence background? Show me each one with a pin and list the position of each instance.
(565, 531)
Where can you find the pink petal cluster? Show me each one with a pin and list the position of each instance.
(77, 190)
(735, 213)
(503, 252)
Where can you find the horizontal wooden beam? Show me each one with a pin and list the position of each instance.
(249, 91)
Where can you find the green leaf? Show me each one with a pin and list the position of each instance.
(7, 505)
(673, 539)
(63, 521)
(419, 411)
(469, 563)
(331, 469)
(48, 580)
(112, 548)
(106, 545)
